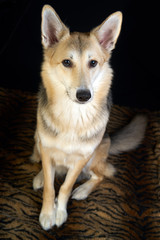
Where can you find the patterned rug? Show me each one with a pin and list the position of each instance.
(125, 207)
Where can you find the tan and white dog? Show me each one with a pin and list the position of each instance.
(73, 111)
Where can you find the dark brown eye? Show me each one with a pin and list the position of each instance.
(92, 63)
(67, 63)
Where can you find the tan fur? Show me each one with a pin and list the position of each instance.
(69, 133)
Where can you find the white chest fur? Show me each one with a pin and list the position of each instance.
(79, 128)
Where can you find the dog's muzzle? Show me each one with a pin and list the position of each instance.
(83, 95)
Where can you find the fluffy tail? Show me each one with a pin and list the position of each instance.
(130, 136)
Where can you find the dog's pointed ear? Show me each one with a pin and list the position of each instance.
(107, 33)
(52, 28)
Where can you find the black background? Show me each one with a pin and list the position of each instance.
(135, 60)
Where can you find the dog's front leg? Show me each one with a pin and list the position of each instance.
(65, 191)
(47, 215)
(98, 169)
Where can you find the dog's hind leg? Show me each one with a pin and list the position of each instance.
(98, 169)
(36, 157)
(86, 188)
(38, 181)
(83, 191)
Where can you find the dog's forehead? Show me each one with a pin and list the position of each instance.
(79, 42)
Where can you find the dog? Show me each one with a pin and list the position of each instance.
(73, 110)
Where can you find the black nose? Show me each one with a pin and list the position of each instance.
(83, 95)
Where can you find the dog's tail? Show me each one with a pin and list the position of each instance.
(130, 136)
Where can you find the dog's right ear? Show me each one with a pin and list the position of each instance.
(107, 33)
(52, 27)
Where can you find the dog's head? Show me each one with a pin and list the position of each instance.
(78, 61)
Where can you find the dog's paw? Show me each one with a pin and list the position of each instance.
(80, 193)
(34, 158)
(38, 181)
(109, 170)
(61, 217)
(47, 221)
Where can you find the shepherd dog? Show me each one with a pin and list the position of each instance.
(73, 111)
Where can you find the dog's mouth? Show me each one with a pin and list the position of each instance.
(81, 102)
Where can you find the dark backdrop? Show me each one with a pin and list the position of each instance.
(135, 60)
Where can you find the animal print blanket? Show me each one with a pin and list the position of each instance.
(125, 207)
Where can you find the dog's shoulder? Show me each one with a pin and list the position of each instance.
(42, 96)
(109, 100)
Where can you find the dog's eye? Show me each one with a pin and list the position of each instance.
(92, 63)
(67, 63)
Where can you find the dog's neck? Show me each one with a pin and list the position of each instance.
(72, 115)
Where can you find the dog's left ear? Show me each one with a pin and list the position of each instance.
(52, 28)
(107, 33)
